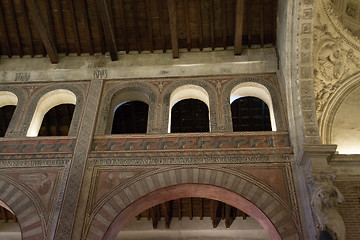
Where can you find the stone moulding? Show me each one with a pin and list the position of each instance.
(203, 141)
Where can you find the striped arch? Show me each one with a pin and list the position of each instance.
(31, 224)
(253, 198)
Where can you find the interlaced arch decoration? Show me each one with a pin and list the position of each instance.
(256, 199)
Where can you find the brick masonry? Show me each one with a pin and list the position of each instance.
(350, 208)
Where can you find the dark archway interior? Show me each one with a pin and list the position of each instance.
(6, 114)
(130, 117)
(57, 121)
(250, 114)
(189, 115)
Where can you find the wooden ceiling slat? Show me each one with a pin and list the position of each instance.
(49, 20)
(83, 26)
(96, 30)
(107, 23)
(136, 28)
(17, 33)
(190, 209)
(228, 218)
(239, 13)
(179, 209)
(62, 28)
(39, 22)
(212, 25)
(149, 25)
(201, 43)
(161, 13)
(153, 217)
(123, 19)
(262, 30)
(75, 27)
(173, 27)
(27, 27)
(4, 29)
(214, 208)
(223, 21)
(249, 23)
(187, 22)
(166, 208)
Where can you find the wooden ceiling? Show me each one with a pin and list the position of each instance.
(190, 208)
(49, 27)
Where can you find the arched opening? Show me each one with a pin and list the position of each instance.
(190, 191)
(130, 117)
(194, 218)
(9, 227)
(6, 113)
(345, 130)
(256, 90)
(8, 102)
(57, 121)
(193, 105)
(250, 114)
(189, 115)
(47, 102)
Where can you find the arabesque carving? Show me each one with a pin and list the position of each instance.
(335, 59)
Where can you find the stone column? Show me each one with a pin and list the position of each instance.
(322, 196)
(71, 210)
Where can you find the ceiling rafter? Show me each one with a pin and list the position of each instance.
(239, 13)
(62, 28)
(17, 32)
(6, 36)
(28, 35)
(82, 20)
(173, 28)
(108, 27)
(149, 25)
(43, 30)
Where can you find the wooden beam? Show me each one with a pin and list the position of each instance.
(6, 36)
(173, 27)
(262, 10)
(190, 209)
(153, 217)
(201, 208)
(187, 21)
(179, 209)
(161, 14)
(249, 21)
(27, 27)
(228, 218)
(149, 24)
(83, 22)
(75, 27)
(212, 25)
(14, 19)
(137, 35)
(62, 29)
(38, 19)
(200, 25)
(108, 27)
(166, 209)
(214, 206)
(239, 14)
(223, 21)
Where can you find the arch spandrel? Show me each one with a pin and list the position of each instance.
(266, 206)
(25, 207)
